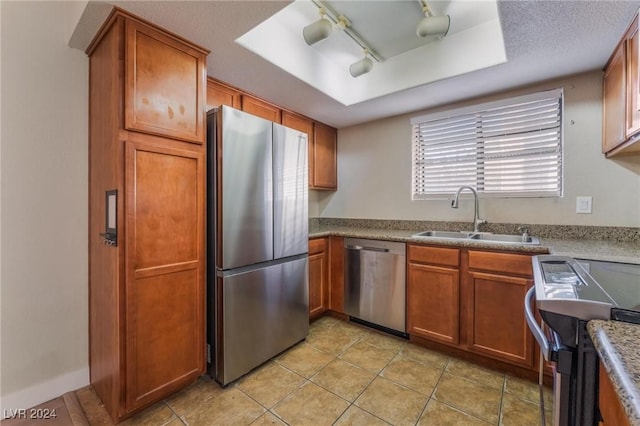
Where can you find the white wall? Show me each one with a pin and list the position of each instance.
(374, 172)
(43, 169)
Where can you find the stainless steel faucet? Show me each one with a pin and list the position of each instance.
(476, 216)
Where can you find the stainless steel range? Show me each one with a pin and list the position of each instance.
(568, 293)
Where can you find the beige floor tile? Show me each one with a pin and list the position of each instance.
(476, 373)
(425, 356)
(304, 359)
(268, 419)
(518, 412)
(270, 383)
(368, 356)
(528, 390)
(441, 414)
(355, 416)
(231, 407)
(385, 341)
(392, 402)
(157, 415)
(330, 340)
(344, 379)
(412, 374)
(350, 329)
(310, 405)
(472, 397)
(194, 396)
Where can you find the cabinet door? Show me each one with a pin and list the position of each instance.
(164, 264)
(261, 108)
(433, 303)
(614, 100)
(324, 171)
(165, 85)
(633, 86)
(219, 94)
(336, 277)
(611, 409)
(497, 326)
(318, 277)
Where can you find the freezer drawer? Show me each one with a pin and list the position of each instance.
(375, 282)
(260, 313)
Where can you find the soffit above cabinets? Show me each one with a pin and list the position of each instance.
(474, 42)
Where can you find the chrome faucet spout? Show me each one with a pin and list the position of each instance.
(476, 215)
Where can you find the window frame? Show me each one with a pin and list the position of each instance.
(478, 109)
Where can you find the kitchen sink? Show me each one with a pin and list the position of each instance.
(443, 234)
(480, 236)
(505, 238)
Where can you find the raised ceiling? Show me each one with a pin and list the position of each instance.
(473, 42)
(542, 40)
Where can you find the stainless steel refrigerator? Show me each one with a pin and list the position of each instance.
(257, 272)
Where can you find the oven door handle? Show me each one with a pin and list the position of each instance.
(537, 332)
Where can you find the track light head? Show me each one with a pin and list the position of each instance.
(362, 66)
(317, 31)
(433, 26)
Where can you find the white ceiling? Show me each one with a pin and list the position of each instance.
(542, 39)
(389, 29)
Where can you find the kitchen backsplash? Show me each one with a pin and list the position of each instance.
(570, 232)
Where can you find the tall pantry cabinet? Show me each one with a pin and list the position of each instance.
(146, 213)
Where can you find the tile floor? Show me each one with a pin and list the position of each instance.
(345, 374)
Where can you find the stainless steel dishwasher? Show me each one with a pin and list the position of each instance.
(375, 282)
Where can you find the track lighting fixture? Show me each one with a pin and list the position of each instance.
(362, 66)
(322, 29)
(432, 25)
(317, 31)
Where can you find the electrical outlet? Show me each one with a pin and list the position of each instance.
(583, 204)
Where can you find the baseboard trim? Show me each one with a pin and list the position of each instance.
(44, 391)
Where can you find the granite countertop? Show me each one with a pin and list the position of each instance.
(583, 247)
(618, 344)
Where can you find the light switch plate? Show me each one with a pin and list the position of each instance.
(583, 204)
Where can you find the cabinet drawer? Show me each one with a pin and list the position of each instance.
(501, 262)
(434, 255)
(317, 245)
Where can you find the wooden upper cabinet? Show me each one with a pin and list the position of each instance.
(323, 161)
(220, 94)
(165, 84)
(614, 99)
(298, 122)
(621, 96)
(261, 108)
(633, 79)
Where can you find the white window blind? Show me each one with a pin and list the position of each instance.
(509, 148)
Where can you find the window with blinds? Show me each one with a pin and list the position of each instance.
(508, 148)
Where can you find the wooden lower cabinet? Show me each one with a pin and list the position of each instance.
(336, 274)
(433, 294)
(472, 300)
(495, 287)
(611, 408)
(497, 326)
(318, 277)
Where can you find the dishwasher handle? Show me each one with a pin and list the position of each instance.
(538, 334)
(364, 248)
